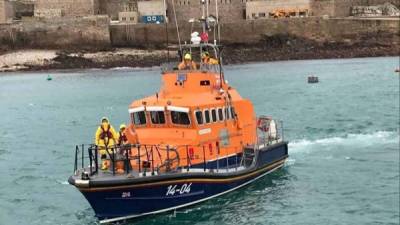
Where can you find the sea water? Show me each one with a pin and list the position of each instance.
(343, 138)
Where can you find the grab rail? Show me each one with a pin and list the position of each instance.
(268, 136)
(151, 158)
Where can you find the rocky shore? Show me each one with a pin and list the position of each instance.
(278, 47)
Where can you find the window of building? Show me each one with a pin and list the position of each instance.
(253, 15)
(132, 18)
(139, 118)
(123, 18)
(261, 15)
(207, 116)
(199, 117)
(220, 114)
(214, 115)
(157, 117)
(180, 118)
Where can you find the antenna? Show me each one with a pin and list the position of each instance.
(217, 15)
(177, 26)
(166, 28)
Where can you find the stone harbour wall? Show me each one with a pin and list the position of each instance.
(251, 32)
(84, 32)
(96, 32)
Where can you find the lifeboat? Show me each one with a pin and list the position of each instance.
(195, 139)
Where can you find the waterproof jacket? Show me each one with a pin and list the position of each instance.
(122, 139)
(190, 65)
(210, 61)
(105, 136)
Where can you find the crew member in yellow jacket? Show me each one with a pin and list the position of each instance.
(106, 138)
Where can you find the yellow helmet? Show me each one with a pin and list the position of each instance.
(205, 54)
(123, 126)
(188, 56)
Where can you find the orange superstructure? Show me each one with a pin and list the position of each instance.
(195, 113)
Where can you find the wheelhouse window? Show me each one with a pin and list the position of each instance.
(220, 114)
(207, 116)
(157, 117)
(233, 113)
(227, 113)
(180, 118)
(139, 118)
(199, 117)
(214, 115)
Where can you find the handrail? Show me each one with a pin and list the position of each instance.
(144, 157)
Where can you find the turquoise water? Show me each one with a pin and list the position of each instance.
(343, 134)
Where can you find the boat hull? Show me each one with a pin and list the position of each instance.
(119, 202)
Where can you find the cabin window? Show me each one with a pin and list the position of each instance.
(227, 113)
(139, 118)
(199, 117)
(180, 118)
(214, 115)
(157, 117)
(220, 114)
(233, 113)
(207, 116)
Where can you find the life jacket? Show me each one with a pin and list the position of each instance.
(210, 61)
(106, 134)
(187, 66)
(122, 138)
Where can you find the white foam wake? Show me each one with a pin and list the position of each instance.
(362, 140)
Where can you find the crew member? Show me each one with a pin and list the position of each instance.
(122, 139)
(206, 59)
(187, 63)
(105, 141)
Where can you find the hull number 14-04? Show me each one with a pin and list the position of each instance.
(178, 189)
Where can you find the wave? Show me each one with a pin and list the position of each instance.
(379, 137)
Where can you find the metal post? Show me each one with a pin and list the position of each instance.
(236, 159)
(96, 160)
(204, 159)
(283, 138)
(83, 156)
(76, 158)
(152, 161)
(127, 160)
(187, 158)
(90, 153)
(138, 153)
(218, 149)
(113, 161)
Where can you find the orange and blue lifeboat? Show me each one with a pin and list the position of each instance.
(194, 140)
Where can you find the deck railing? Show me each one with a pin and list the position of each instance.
(204, 67)
(157, 159)
(270, 135)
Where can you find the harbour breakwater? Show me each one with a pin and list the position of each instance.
(247, 41)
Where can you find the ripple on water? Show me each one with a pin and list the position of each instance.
(379, 137)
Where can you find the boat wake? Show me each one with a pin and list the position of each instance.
(363, 140)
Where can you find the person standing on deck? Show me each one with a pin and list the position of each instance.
(106, 138)
(207, 60)
(122, 139)
(187, 63)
